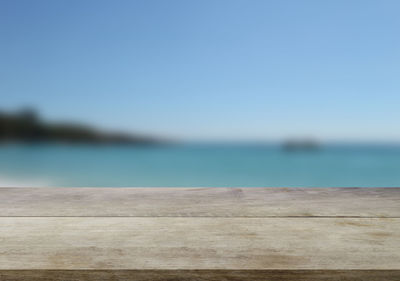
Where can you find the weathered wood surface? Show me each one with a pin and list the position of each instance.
(199, 234)
(200, 275)
(199, 243)
(201, 202)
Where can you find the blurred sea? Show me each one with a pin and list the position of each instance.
(199, 165)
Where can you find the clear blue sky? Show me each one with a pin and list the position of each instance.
(217, 69)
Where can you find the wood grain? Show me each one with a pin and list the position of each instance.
(70, 234)
(200, 275)
(201, 202)
(199, 243)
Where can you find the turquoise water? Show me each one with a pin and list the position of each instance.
(199, 165)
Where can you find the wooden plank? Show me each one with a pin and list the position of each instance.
(201, 202)
(200, 275)
(199, 243)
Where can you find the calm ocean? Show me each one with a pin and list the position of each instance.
(199, 165)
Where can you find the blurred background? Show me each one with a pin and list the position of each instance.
(199, 93)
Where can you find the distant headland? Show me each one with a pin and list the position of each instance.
(300, 145)
(25, 126)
